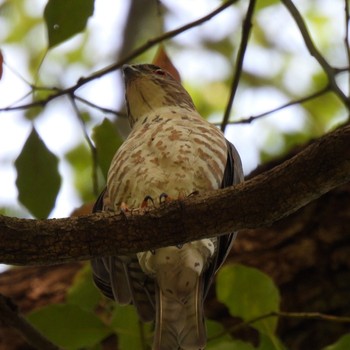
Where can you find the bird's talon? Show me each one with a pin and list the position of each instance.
(144, 203)
(194, 193)
(163, 198)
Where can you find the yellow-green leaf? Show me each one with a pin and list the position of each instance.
(127, 325)
(249, 293)
(343, 343)
(38, 180)
(65, 18)
(107, 141)
(69, 326)
(83, 292)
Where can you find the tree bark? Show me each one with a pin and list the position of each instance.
(259, 202)
(307, 255)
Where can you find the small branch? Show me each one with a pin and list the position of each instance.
(102, 109)
(259, 202)
(277, 109)
(137, 52)
(299, 315)
(246, 28)
(328, 69)
(312, 315)
(10, 317)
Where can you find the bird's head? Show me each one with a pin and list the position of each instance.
(148, 88)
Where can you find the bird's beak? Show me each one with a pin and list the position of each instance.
(129, 71)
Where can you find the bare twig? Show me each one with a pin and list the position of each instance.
(327, 68)
(102, 109)
(277, 109)
(300, 315)
(10, 317)
(246, 28)
(149, 44)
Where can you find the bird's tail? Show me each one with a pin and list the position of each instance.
(180, 323)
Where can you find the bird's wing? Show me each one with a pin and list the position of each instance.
(121, 278)
(233, 175)
(103, 267)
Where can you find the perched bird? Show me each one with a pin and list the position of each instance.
(171, 152)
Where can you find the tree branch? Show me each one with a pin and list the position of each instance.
(137, 52)
(301, 100)
(10, 316)
(327, 68)
(322, 166)
(246, 28)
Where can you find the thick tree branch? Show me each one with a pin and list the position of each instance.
(258, 202)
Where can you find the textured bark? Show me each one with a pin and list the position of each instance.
(259, 202)
(307, 254)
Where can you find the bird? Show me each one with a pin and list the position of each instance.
(170, 153)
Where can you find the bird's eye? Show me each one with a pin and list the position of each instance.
(159, 72)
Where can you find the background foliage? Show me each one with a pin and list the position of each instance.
(49, 46)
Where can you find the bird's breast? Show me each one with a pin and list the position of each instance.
(171, 153)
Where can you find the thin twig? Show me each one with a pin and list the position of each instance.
(277, 109)
(137, 52)
(90, 143)
(246, 28)
(327, 68)
(103, 109)
(300, 315)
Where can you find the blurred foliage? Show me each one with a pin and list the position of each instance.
(250, 303)
(80, 159)
(69, 326)
(342, 344)
(107, 141)
(38, 180)
(57, 47)
(66, 18)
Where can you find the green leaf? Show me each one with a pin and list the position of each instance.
(343, 343)
(213, 330)
(83, 292)
(231, 345)
(69, 326)
(270, 342)
(81, 161)
(107, 141)
(38, 180)
(126, 323)
(65, 18)
(261, 4)
(249, 293)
